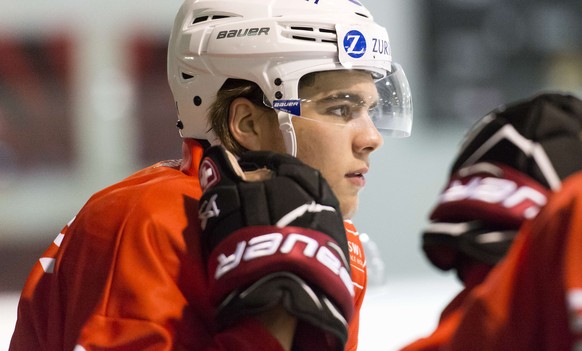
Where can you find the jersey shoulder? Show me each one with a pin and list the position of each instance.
(149, 189)
(158, 199)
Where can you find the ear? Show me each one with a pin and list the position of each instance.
(244, 123)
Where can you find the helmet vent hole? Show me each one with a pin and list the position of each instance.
(361, 14)
(325, 30)
(217, 17)
(309, 29)
(187, 76)
(200, 19)
(197, 100)
(206, 18)
(310, 33)
(303, 38)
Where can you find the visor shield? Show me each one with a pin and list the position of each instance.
(393, 115)
(388, 106)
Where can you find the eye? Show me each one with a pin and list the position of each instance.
(343, 111)
(339, 111)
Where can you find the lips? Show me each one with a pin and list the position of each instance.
(357, 178)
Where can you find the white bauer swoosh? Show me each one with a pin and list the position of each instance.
(300, 211)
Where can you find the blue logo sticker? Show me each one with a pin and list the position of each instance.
(355, 43)
(290, 106)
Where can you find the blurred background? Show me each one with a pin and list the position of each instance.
(84, 102)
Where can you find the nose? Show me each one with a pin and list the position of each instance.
(367, 138)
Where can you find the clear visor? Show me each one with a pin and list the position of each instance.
(387, 103)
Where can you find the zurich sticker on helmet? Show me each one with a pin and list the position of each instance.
(362, 45)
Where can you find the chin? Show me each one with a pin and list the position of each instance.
(349, 209)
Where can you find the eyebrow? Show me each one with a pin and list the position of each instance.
(345, 96)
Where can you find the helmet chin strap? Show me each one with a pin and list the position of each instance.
(288, 132)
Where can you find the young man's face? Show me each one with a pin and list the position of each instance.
(337, 135)
(334, 133)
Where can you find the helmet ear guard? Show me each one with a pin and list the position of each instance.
(288, 132)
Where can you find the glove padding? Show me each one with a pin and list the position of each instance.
(273, 234)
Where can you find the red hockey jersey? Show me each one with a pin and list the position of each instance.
(127, 274)
(532, 300)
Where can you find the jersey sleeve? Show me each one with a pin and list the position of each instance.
(448, 322)
(528, 302)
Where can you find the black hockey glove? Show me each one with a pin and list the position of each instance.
(508, 163)
(273, 234)
(478, 215)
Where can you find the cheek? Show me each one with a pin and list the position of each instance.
(324, 148)
(328, 158)
(272, 139)
(324, 156)
(312, 148)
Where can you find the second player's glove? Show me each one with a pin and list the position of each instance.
(508, 163)
(273, 235)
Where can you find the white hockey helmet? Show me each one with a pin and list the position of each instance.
(274, 43)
